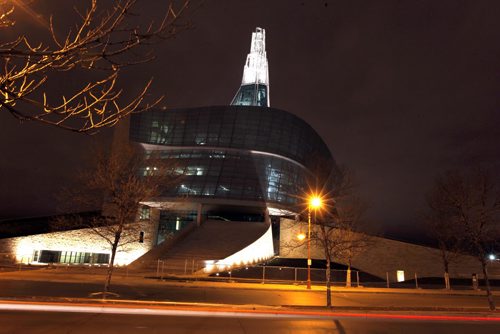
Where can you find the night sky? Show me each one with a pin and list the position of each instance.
(399, 90)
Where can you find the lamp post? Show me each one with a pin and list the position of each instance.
(314, 203)
(309, 247)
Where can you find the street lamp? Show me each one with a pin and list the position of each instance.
(315, 202)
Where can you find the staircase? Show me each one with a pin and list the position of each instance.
(213, 240)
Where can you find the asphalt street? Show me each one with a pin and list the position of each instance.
(75, 323)
(227, 293)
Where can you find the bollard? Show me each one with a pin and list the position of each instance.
(185, 266)
(192, 267)
(475, 284)
(357, 278)
(447, 281)
(348, 278)
(387, 278)
(295, 275)
(263, 274)
(416, 281)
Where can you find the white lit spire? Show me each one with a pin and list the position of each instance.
(254, 90)
(256, 69)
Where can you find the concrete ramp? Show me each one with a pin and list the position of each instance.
(213, 240)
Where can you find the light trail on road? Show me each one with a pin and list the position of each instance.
(228, 312)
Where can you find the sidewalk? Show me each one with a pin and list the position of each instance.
(72, 275)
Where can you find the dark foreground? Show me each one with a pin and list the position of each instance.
(54, 322)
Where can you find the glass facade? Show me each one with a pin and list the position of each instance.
(233, 152)
(251, 95)
(172, 222)
(70, 257)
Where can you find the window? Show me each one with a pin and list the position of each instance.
(194, 170)
(201, 139)
(102, 258)
(47, 256)
(144, 213)
(70, 257)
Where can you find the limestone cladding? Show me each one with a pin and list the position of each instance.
(22, 249)
(384, 256)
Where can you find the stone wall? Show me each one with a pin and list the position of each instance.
(385, 256)
(21, 249)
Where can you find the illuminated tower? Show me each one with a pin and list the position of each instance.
(254, 90)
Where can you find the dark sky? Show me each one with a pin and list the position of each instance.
(399, 90)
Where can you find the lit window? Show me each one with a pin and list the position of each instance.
(192, 170)
(185, 189)
(179, 170)
(144, 213)
(201, 139)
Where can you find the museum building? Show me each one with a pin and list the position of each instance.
(242, 163)
(245, 169)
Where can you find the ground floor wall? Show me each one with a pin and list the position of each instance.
(82, 246)
(384, 257)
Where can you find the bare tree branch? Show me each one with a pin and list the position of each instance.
(102, 44)
(465, 211)
(119, 183)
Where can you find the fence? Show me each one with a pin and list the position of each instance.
(178, 267)
(260, 273)
(293, 275)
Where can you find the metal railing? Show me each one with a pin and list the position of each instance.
(178, 267)
(295, 275)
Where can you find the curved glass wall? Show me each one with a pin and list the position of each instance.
(251, 95)
(243, 153)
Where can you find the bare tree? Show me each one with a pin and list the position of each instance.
(106, 39)
(442, 228)
(471, 201)
(336, 228)
(351, 242)
(119, 182)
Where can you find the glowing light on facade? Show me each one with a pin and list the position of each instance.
(279, 212)
(258, 251)
(256, 68)
(254, 90)
(400, 275)
(28, 249)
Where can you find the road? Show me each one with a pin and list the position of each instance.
(75, 323)
(231, 294)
